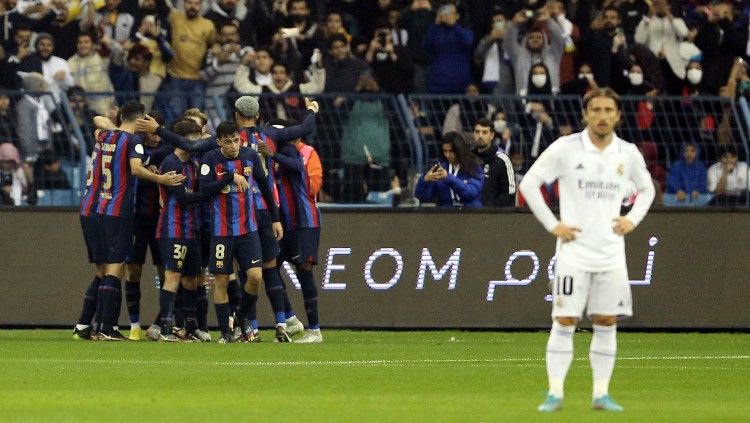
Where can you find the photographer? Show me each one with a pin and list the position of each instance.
(390, 64)
(450, 47)
(13, 183)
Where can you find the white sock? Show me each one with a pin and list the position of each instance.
(283, 325)
(81, 327)
(292, 320)
(559, 356)
(136, 325)
(602, 356)
(115, 328)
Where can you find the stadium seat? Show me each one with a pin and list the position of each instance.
(56, 197)
(670, 200)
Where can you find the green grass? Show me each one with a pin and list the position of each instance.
(365, 376)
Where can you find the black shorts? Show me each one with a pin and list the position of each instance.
(145, 237)
(205, 243)
(269, 246)
(93, 242)
(225, 249)
(181, 255)
(300, 245)
(116, 234)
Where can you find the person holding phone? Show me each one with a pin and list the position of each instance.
(455, 181)
(497, 76)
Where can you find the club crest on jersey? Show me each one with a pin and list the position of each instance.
(219, 264)
(226, 189)
(620, 169)
(248, 171)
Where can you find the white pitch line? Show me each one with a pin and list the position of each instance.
(346, 362)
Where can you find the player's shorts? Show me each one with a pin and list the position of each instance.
(268, 244)
(94, 245)
(601, 293)
(145, 236)
(225, 249)
(116, 233)
(181, 255)
(300, 246)
(205, 244)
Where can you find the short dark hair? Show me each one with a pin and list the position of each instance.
(602, 92)
(729, 151)
(484, 122)
(158, 116)
(336, 37)
(132, 110)
(226, 128)
(185, 127)
(140, 50)
(88, 34)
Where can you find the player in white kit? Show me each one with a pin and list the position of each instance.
(595, 170)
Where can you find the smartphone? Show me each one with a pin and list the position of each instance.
(499, 25)
(290, 32)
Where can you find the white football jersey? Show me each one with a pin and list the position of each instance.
(592, 185)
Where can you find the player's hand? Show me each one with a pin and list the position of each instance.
(278, 231)
(312, 105)
(681, 195)
(103, 122)
(171, 178)
(622, 225)
(241, 182)
(264, 149)
(146, 124)
(564, 232)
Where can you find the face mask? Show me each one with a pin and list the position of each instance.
(694, 76)
(298, 18)
(500, 125)
(588, 76)
(635, 78)
(539, 80)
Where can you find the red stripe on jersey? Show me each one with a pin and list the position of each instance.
(242, 200)
(122, 156)
(223, 229)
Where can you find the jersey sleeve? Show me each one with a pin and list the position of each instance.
(640, 175)
(206, 172)
(135, 149)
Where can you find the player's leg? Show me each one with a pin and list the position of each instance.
(271, 277)
(249, 257)
(83, 328)
(610, 297)
(201, 312)
(135, 269)
(221, 265)
(569, 294)
(189, 286)
(307, 239)
(234, 294)
(119, 241)
(286, 247)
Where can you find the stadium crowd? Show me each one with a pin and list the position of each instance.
(178, 54)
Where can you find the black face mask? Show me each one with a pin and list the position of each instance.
(298, 19)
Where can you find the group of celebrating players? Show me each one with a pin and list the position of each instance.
(239, 204)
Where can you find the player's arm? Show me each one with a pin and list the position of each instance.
(288, 157)
(291, 133)
(646, 193)
(103, 122)
(260, 179)
(149, 125)
(180, 192)
(141, 172)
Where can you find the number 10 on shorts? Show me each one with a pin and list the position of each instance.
(563, 285)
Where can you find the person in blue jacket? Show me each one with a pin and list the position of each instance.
(455, 181)
(687, 176)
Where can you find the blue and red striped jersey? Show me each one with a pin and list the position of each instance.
(232, 212)
(90, 198)
(117, 194)
(300, 173)
(250, 138)
(146, 192)
(176, 219)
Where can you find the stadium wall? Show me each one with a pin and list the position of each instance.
(417, 269)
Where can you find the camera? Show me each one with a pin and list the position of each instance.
(6, 179)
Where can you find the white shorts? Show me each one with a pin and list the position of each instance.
(601, 293)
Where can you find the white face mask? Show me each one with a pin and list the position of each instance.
(539, 80)
(635, 78)
(588, 76)
(500, 125)
(694, 76)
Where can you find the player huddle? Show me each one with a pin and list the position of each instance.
(238, 203)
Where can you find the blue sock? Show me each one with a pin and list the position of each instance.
(201, 310)
(310, 294)
(288, 311)
(133, 300)
(109, 294)
(222, 315)
(166, 310)
(89, 302)
(275, 293)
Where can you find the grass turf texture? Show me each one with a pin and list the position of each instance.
(365, 376)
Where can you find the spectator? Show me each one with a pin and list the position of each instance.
(343, 70)
(536, 120)
(727, 179)
(686, 177)
(289, 107)
(662, 33)
(223, 60)
(456, 181)
(650, 153)
(143, 80)
(192, 36)
(416, 20)
(83, 114)
(637, 83)
(390, 63)
(150, 34)
(48, 173)
(61, 27)
(301, 29)
(499, 186)
(13, 181)
(534, 47)
(334, 25)
(585, 82)
(400, 35)
(604, 48)
(462, 115)
(497, 74)
(504, 131)
(55, 70)
(251, 18)
(91, 72)
(255, 73)
(33, 117)
(631, 12)
(571, 35)
(716, 38)
(449, 46)
(694, 83)
(366, 144)
(109, 21)
(7, 120)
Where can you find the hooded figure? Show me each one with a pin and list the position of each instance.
(531, 49)
(688, 174)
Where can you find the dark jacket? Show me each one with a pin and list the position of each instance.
(499, 187)
(450, 49)
(466, 187)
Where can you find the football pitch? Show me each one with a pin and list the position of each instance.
(378, 376)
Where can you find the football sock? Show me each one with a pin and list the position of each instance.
(89, 302)
(247, 309)
(274, 291)
(222, 316)
(201, 311)
(310, 294)
(166, 310)
(602, 355)
(234, 292)
(191, 299)
(133, 301)
(559, 356)
(109, 292)
(179, 308)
